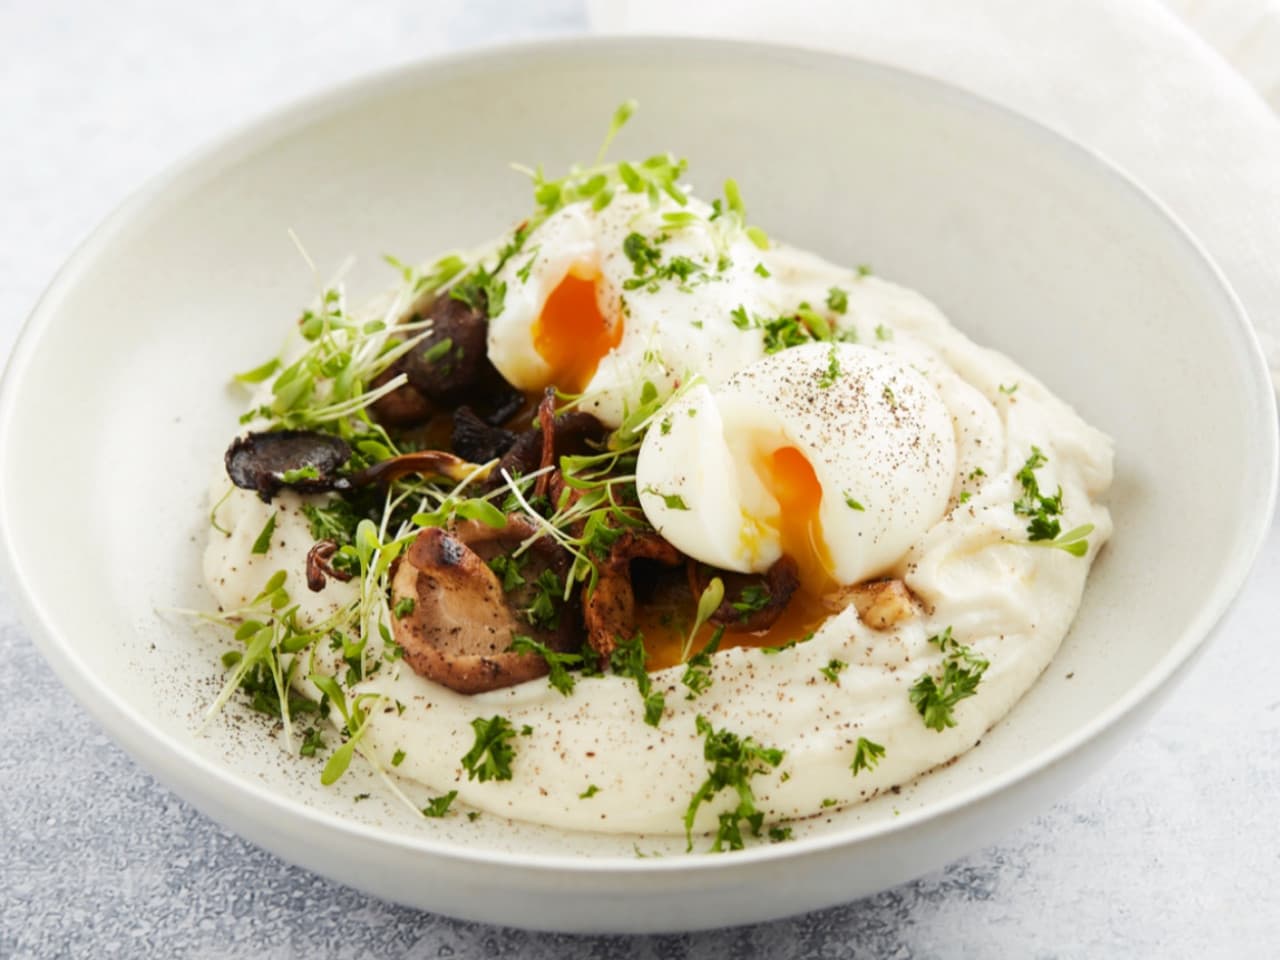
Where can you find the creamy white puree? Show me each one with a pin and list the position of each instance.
(1010, 602)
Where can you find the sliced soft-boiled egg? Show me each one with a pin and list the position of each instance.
(576, 313)
(557, 322)
(835, 455)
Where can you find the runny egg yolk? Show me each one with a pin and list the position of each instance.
(789, 476)
(571, 334)
(791, 480)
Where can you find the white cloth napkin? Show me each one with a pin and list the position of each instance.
(1131, 80)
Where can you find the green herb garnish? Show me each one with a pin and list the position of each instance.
(733, 760)
(490, 756)
(263, 543)
(628, 660)
(1043, 526)
(439, 806)
(865, 756)
(833, 669)
(936, 697)
(829, 376)
(838, 300)
(559, 663)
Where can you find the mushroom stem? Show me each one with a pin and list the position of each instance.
(428, 463)
(318, 566)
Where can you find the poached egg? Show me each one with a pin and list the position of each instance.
(584, 312)
(833, 454)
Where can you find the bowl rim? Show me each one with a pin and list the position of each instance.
(200, 777)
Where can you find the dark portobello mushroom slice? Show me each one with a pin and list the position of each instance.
(449, 367)
(260, 462)
(475, 440)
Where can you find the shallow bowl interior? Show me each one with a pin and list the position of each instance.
(116, 406)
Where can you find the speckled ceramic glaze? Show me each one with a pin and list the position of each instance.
(1030, 244)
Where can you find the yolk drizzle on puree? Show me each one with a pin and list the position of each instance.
(571, 334)
(788, 475)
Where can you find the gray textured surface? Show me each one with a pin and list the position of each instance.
(1173, 850)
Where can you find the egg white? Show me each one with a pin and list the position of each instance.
(877, 435)
(669, 332)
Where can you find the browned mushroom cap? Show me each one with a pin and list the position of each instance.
(462, 622)
(448, 367)
(752, 601)
(477, 441)
(310, 461)
(403, 406)
(610, 610)
(573, 433)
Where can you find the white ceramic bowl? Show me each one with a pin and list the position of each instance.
(115, 405)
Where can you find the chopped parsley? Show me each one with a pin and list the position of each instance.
(774, 651)
(397, 758)
(544, 611)
(507, 569)
(762, 270)
(833, 669)
(481, 291)
(697, 671)
(335, 520)
(672, 501)
(628, 660)
(883, 333)
(864, 270)
(311, 742)
(1043, 526)
(851, 503)
(490, 756)
(936, 697)
(439, 806)
(404, 606)
(263, 543)
(865, 756)
(752, 599)
(832, 373)
(648, 270)
(837, 300)
(784, 332)
(779, 834)
(559, 678)
(523, 272)
(1009, 391)
(588, 793)
(733, 760)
